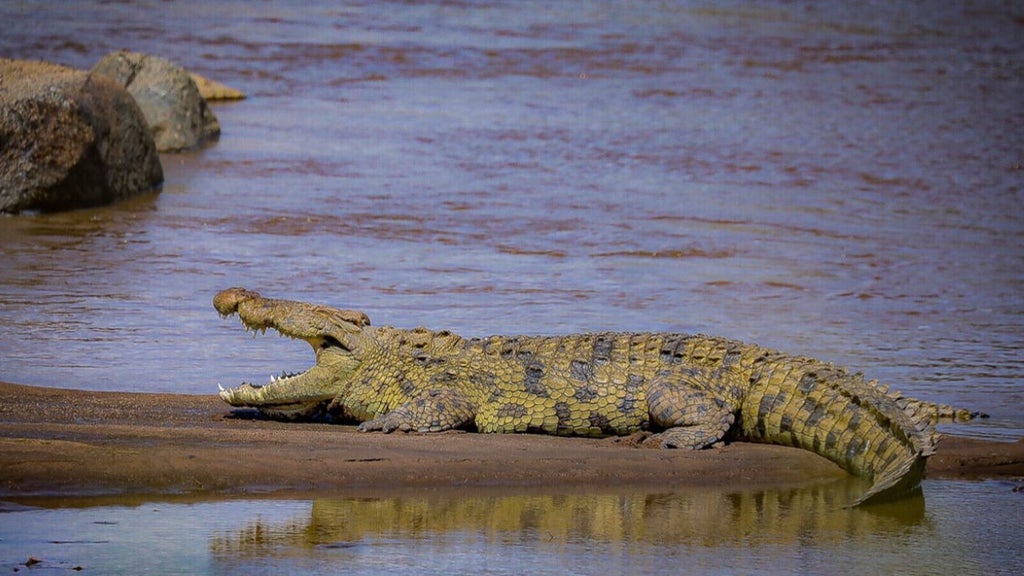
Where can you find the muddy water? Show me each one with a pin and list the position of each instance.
(843, 183)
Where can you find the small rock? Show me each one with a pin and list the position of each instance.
(213, 90)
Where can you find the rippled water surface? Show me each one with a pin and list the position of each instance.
(834, 181)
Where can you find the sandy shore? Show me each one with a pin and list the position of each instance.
(77, 443)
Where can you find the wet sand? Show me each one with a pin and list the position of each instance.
(60, 442)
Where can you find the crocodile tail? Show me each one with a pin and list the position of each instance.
(841, 416)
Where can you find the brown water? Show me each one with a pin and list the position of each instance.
(841, 180)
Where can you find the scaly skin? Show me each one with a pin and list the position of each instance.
(693, 391)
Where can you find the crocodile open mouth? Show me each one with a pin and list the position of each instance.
(274, 379)
(290, 395)
(334, 334)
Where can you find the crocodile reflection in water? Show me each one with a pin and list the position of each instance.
(699, 517)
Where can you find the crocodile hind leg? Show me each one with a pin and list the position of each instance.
(691, 417)
(434, 410)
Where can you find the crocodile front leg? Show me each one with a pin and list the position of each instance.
(692, 417)
(435, 410)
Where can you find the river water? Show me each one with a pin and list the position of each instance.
(838, 180)
(706, 531)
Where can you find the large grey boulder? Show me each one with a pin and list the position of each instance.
(176, 112)
(69, 139)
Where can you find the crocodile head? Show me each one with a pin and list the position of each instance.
(337, 338)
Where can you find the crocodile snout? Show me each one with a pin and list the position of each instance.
(227, 301)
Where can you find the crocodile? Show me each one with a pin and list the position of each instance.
(671, 390)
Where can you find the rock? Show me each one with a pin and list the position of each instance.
(177, 114)
(213, 90)
(69, 139)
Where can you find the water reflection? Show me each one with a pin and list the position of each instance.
(700, 517)
(967, 528)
